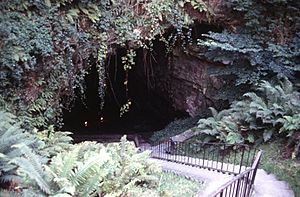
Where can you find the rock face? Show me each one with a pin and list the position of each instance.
(187, 82)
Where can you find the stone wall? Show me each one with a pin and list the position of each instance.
(187, 83)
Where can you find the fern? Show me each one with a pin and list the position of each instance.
(259, 116)
(10, 135)
(31, 165)
(52, 142)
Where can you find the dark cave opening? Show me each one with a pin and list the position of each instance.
(152, 108)
(149, 111)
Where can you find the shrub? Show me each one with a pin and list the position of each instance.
(272, 111)
(11, 134)
(90, 169)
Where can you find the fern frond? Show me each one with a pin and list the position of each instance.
(287, 86)
(10, 178)
(6, 193)
(26, 167)
(31, 165)
(65, 163)
(86, 170)
(214, 112)
(91, 187)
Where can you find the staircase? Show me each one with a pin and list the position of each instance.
(214, 175)
(266, 185)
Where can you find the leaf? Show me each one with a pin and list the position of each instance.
(214, 112)
(250, 138)
(234, 138)
(267, 135)
(181, 3)
(160, 17)
(48, 3)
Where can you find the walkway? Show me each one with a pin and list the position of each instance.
(266, 185)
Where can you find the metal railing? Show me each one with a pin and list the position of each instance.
(241, 185)
(240, 160)
(225, 158)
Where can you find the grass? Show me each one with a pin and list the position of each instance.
(174, 185)
(285, 169)
(169, 185)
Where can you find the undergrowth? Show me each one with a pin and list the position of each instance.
(174, 128)
(177, 186)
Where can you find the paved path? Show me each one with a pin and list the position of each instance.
(266, 185)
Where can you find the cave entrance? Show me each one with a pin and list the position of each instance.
(149, 110)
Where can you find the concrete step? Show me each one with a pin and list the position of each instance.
(273, 193)
(267, 185)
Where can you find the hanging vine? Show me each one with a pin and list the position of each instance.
(42, 38)
(102, 53)
(128, 63)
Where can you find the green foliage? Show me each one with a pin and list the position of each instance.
(47, 47)
(260, 41)
(291, 124)
(174, 185)
(91, 169)
(30, 166)
(78, 173)
(52, 142)
(174, 128)
(11, 134)
(274, 111)
(24, 154)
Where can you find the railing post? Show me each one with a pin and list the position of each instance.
(237, 188)
(242, 158)
(255, 166)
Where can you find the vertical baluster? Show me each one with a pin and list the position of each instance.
(221, 194)
(242, 185)
(248, 188)
(188, 153)
(181, 152)
(242, 159)
(204, 147)
(234, 161)
(159, 152)
(231, 189)
(226, 189)
(223, 155)
(185, 149)
(168, 150)
(228, 161)
(175, 151)
(212, 158)
(237, 188)
(248, 156)
(218, 155)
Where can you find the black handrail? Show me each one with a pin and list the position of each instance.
(241, 185)
(239, 159)
(221, 157)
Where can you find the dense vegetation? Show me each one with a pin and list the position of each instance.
(256, 118)
(36, 165)
(48, 47)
